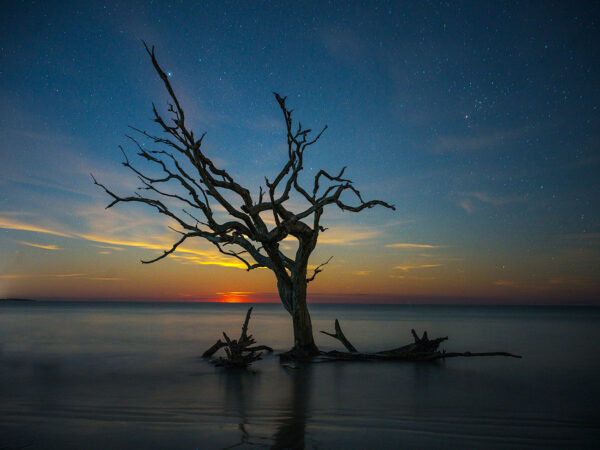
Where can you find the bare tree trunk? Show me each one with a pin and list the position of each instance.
(293, 297)
(303, 334)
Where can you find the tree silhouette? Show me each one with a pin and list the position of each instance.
(188, 177)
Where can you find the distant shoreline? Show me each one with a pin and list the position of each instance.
(17, 300)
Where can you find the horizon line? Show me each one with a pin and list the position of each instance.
(414, 301)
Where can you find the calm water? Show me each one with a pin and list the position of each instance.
(128, 376)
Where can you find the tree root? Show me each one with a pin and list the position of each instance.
(239, 353)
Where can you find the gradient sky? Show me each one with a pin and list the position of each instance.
(479, 120)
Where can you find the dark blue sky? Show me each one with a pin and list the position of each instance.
(479, 120)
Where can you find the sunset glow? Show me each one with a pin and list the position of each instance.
(486, 143)
(235, 297)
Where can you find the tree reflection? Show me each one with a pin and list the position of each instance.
(291, 431)
(239, 386)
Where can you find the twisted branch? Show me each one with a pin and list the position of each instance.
(189, 178)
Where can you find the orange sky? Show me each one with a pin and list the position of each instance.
(47, 261)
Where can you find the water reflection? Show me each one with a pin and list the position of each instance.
(128, 377)
(291, 428)
(291, 408)
(240, 386)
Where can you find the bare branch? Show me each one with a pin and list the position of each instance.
(318, 270)
(181, 175)
(339, 335)
(332, 178)
(167, 252)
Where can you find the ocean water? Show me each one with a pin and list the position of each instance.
(102, 375)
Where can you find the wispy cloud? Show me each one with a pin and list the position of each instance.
(362, 272)
(211, 260)
(416, 266)
(407, 245)
(467, 205)
(81, 276)
(348, 235)
(52, 275)
(11, 224)
(109, 247)
(45, 247)
(344, 235)
(445, 144)
(469, 200)
(507, 283)
(212, 257)
(495, 200)
(106, 278)
(240, 293)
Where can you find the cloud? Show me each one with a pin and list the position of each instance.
(348, 235)
(417, 266)
(495, 200)
(458, 144)
(406, 245)
(568, 281)
(81, 276)
(109, 247)
(37, 182)
(46, 247)
(10, 224)
(239, 293)
(216, 261)
(28, 275)
(344, 235)
(470, 199)
(506, 283)
(200, 256)
(362, 272)
(105, 278)
(14, 276)
(467, 205)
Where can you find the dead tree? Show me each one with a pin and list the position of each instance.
(422, 349)
(190, 186)
(239, 352)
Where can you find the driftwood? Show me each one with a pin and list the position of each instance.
(422, 349)
(239, 353)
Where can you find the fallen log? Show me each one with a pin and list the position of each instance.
(239, 353)
(422, 349)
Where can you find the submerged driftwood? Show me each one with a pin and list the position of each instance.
(242, 353)
(239, 353)
(422, 349)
